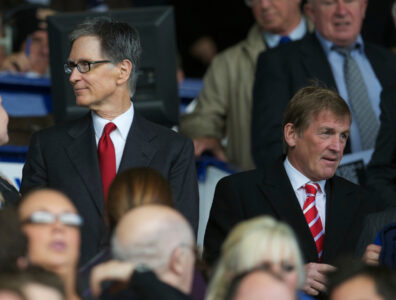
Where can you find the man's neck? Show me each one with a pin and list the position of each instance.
(113, 108)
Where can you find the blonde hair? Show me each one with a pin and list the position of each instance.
(245, 248)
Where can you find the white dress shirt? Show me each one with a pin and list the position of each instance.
(298, 181)
(119, 135)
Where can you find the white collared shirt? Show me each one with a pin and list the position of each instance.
(298, 181)
(272, 39)
(119, 135)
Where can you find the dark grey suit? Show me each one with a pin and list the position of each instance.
(284, 70)
(246, 195)
(65, 157)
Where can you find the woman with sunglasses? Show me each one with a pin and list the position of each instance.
(51, 224)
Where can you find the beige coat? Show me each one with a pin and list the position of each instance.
(224, 105)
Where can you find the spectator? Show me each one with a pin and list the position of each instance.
(300, 188)
(51, 223)
(261, 241)
(8, 194)
(34, 283)
(30, 41)
(111, 138)
(337, 57)
(13, 250)
(354, 280)
(258, 284)
(135, 187)
(223, 108)
(151, 239)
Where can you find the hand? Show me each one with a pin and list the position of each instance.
(371, 255)
(209, 144)
(16, 62)
(111, 270)
(315, 281)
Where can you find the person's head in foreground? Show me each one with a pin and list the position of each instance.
(103, 64)
(136, 187)
(258, 284)
(354, 280)
(52, 226)
(160, 238)
(316, 127)
(262, 241)
(34, 283)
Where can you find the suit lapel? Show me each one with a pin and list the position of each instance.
(82, 152)
(278, 190)
(315, 61)
(340, 209)
(139, 149)
(380, 64)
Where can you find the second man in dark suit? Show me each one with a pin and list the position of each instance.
(324, 210)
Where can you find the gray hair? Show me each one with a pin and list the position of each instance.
(118, 41)
(155, 248)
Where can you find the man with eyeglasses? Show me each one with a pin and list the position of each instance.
(82, 157)
(154, 249)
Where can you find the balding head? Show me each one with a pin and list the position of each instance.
(159, 237)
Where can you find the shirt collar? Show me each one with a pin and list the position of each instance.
(123, 123)
(273, 39)
(297, 179)
(327, 45)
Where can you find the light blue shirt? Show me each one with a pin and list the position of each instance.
(373, 85)
(272, 39)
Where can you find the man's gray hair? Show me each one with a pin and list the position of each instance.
(155, 248)
(118, 41)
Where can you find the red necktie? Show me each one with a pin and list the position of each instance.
(312, 216)
(107, 159)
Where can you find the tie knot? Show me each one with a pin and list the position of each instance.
(311, 188)
(284, 39)
(109, 128)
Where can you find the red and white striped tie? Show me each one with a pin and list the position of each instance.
(312, 216)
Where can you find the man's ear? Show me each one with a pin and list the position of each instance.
(125, 71)
(290, 134)
(176, 262)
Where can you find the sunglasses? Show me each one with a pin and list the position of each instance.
(45, 217)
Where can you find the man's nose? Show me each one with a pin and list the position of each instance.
(75, 75)
(341, 7)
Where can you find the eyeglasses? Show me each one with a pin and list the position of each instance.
(82, 66)
(46, 217)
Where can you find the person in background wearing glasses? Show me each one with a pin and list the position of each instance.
(82, 157)
(52, 226)
(223, 110)
(154, 250)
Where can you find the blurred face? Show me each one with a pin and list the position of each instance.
(35, 291)
(319, 149)
(285, 269)
(276, 16)
(357, 288)
(39, 52)
(263, 286)
(52, 245)
(96, 87)
(3, 124)
(339, 21)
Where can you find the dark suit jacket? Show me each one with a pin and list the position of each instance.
(381, 171)
(246, 195)
(372, 225)
(284, 70)
(65, 157)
